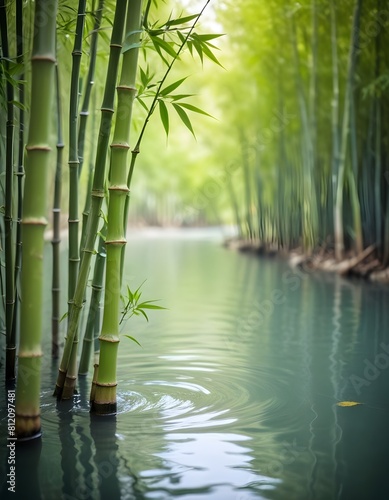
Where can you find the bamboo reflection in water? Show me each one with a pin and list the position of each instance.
(336, 369)
(69, 453)
(103, 433)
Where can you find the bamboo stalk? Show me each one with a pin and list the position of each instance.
(56, 240)
(73, 162)
(84, 113)
(8, 209)
(309, 213)
(20, 169)
(338, 219)
(34, 220)
(97, 195)
(105, 393)
(97, 287)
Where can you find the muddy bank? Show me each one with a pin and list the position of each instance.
(365, 265)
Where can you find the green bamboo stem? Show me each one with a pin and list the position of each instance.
(56, 240)
(96, 354)
(105, 396)
(20, 170)
(97, 195)
(334, 103)
(338, 220)
(34, 220)
(378, 205)
(377, 182)
(309, 192)
(8, 210)
(97, 287)
(84, 113)
(73, 162)
(247, 185)
(352, 179)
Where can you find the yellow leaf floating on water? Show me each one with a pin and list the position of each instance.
(348, 403)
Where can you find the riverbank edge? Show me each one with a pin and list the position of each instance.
(365, 265)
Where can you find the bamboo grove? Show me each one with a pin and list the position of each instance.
(312, 127)
(48, 112)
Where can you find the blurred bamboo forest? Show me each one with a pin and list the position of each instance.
(298, 153)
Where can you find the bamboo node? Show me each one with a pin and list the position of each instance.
(38, 147)
(34, 221)
(119, 187)
(97, 194)
(27, 415)
(30, 354)
(45, 58)
(106, 384)
(115, 242)
(108, 110)
(109, 339)
(120, 145)
(126, 87)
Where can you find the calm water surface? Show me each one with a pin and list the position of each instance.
(233, 393)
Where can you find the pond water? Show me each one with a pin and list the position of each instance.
(234, 393)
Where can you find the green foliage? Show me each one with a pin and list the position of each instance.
(132, 305)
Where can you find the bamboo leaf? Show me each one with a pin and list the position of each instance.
(181, 20)
(149, 305)
(19, 105)
(348, 403)
(64, 316)
(133, 339)
(198, 47)
(143, 313)
(162, 44)
(210, 36)
(181, 37)
(164, 116)
(194, 109)
(210, 55)
(141, 102)
(170, 88)
(184, 117)
(128, 46)
(178, 97)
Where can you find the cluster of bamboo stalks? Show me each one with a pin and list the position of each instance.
(26, 203)
(314, 148)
